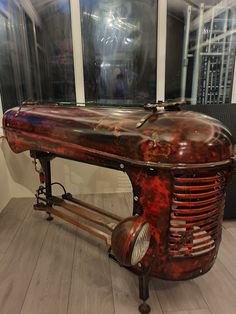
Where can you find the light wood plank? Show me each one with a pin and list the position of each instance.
(11, 219)
(227, 252)
(129, 201)
(91, 290)
(50, 286)
(232, 231)
(18, 264)
(126, 292)
(34, 279)
(229, 223)
(218, 288)
(179, 296)
(117, 203)
(190, 312)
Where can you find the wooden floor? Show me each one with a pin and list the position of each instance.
(53, 268)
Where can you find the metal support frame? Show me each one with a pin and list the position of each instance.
(234, 85)
(144, 279)
(226, 79)
(213, 55)
(45, 160)
(46, 202)
(219, 8)
(144, 308)
(221, 91)
(208, 62)
(185, 54)
(197, 58)
(46, 165)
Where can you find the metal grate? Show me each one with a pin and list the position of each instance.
(196, 212)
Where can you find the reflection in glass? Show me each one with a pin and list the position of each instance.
(57, 38)
(209, 43)
(174, 51)
(36, 56)
(119, 49)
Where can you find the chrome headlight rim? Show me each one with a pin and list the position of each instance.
(125, 238)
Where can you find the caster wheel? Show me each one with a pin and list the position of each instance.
(50, 218)
(144, 308)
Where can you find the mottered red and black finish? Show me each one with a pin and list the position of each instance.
(178, 163)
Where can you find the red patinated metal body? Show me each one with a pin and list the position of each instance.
(178, 163)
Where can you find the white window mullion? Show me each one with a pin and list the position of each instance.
(77, 51)
(233, 99)
(1, 114)
(161, 50)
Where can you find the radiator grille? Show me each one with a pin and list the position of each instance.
(196, 212)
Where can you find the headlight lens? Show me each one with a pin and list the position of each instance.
(130, 240)
(141, 244)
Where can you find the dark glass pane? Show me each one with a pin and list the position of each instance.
(201, 43)
(7, 85)
(57, 40)
(174, 50)
(36, 51)
(119, 50)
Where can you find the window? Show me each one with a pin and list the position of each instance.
(204, 34)
(131, 52)
(36, 55)
(119, 50)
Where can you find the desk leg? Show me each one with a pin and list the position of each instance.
(46, 165)
(144, 308)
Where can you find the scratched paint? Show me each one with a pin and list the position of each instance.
(109, 137)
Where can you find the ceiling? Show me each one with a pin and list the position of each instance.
(179, 7)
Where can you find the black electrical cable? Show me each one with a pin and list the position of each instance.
(57, 183)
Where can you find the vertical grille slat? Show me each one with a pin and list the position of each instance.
(197, 207)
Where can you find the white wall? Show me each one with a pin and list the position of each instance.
(19, 179)
(5, 190)
(77, 177)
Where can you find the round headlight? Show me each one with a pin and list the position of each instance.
(141, 244)
(130, 240)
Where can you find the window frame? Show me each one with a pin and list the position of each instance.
(161, 50)
(1, 115)
(78, 50)
(233, 97)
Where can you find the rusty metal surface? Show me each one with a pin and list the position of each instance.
(184, 207)
(168, 137)
(187, 229)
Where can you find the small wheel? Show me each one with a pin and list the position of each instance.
(50, 218)
(144, 308)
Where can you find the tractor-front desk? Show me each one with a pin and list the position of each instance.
(178, 163)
